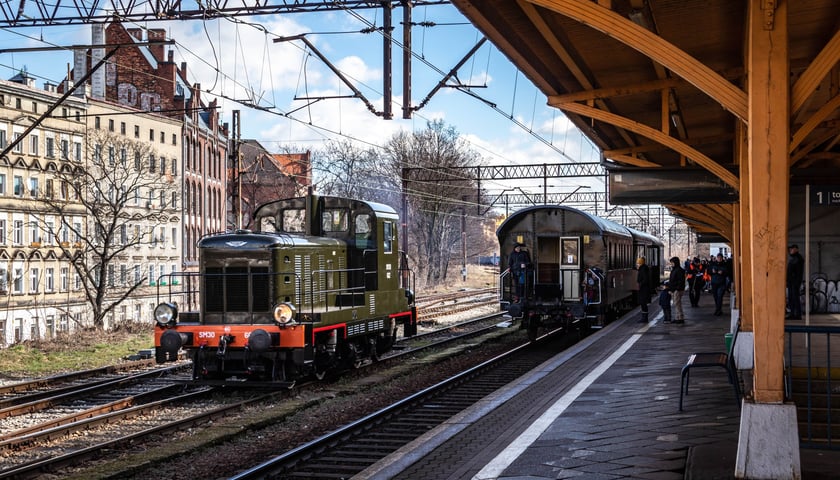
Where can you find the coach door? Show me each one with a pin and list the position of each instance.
(570, 267)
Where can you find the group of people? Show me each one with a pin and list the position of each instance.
(695, 276)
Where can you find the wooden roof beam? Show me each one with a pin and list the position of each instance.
(678, 146)
(729, 96)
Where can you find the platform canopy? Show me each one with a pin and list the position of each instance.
(661, 84)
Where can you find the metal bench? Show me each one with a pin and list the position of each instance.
(713, 359)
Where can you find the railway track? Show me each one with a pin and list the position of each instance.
(351, 449)
(53, 444)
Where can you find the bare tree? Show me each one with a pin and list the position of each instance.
(436, 204)
(344, 169)
(111, 208)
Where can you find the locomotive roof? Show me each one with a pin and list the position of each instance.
(601, 224)
(379, 209)
(251, 240)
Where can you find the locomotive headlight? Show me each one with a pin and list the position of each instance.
(166, 314)
(284, 314)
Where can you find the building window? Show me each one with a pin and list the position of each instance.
(122, 128)
(137, 160)
(65, 150)
(96, 122)
(34, 279)
(17, 281)
(50, 287)
(162, 165)
(19, 145)
(110, 124)
(162, 137)
(137, 131)
(174, 167)
(2, 241)
(17, 232)
(151, 163)
(34, 107)
(2, 183)
(2, 138)
(50, 147)
(77, 146)
(33, 144)
(174, 139)
(33, 187)
(63, 279)
(17, 103)
(18, 186)
(151, 135)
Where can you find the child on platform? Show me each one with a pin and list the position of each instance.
(665, 301)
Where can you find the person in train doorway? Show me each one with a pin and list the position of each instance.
(676, 285)
(793, 281)
(519, 262)
(665, 302)
(643, 280)
(719, 274)
(694, 277)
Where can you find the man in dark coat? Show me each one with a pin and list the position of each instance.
(720, 274)
(643, 280)
(676, 284)
(795, 272)
(519, 262)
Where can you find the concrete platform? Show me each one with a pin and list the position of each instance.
(605, 409)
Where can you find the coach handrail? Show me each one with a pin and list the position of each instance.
(811, 335)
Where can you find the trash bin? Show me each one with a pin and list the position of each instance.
(727, 338)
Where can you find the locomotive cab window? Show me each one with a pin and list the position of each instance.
(335, 220)
(365, 238)
(293, 220)
(387, 237)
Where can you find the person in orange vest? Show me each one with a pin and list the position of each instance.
(694, 277)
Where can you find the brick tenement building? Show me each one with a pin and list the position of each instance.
(146, 78)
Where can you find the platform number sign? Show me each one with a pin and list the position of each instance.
(826, 196)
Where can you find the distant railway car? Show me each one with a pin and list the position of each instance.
(321, 285)
(581, 267)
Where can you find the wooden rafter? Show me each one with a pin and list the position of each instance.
(715, 168)
(730, 97)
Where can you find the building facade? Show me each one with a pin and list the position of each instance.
(39, 293)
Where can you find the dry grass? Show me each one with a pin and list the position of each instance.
(77, 351)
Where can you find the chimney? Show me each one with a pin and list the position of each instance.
(136, 33)
(184, 70)
(157, 50)
(50, 87)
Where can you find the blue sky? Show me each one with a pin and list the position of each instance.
(241, 61)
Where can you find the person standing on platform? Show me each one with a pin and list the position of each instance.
(795, 272)
(719, 274)
(519, 262)
(676, 285)
(694, 278)
(643, 280)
